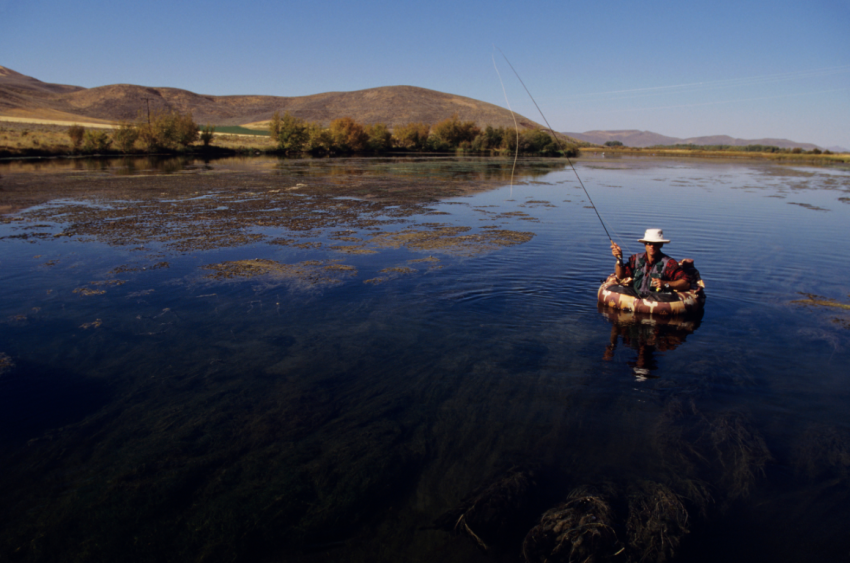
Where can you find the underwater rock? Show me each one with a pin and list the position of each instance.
(580, 529)
(491, 511)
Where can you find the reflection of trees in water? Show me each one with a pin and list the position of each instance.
(454, 168)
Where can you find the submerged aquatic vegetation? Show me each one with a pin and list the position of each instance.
(656, 524)
(451, 240)
(491, 511)
(580, 529)
(740, 450)
(818, 301)
(310, 272)
(6, 363)
(812, 300)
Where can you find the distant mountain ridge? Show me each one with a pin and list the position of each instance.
(641, 139)
(23, 96)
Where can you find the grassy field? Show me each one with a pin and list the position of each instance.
(239, 130)
(29, 139)
(780, 157)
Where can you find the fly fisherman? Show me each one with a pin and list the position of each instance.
(655, 275)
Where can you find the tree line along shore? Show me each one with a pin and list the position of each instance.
(175, 132)
(172, 132)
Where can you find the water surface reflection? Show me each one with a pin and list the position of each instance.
(647, 334)
(321, 359)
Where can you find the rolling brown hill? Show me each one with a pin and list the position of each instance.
(641, 139)
(23, 96)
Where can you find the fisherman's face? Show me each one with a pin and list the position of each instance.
(653, 250)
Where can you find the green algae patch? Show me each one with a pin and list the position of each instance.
(312, 272)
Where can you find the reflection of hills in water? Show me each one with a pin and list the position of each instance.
(647, 334)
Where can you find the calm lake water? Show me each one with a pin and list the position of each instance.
(321, 360)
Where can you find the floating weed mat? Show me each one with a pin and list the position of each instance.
(311, 272)
(87, 291)
(812, 300)
(656, 523)
(818, 301)
(492, 511)
(451, 240)
(580, 529)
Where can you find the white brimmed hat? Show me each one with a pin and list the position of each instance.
(653, 235)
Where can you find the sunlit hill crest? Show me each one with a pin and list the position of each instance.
(24, 96)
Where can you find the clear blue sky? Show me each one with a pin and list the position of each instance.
(749, 69)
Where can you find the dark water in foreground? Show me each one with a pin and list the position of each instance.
(271, 360)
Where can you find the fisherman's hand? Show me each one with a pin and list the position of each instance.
(616, 251)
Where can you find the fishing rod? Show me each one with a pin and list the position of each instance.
(516, 126)
(559, 145)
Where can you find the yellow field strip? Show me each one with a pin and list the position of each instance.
(55, 122)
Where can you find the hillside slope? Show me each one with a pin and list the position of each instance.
(23, 96)
(640, 139)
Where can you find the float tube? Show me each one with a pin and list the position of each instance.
(690, 301)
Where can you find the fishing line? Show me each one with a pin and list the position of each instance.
(516, 154)
(559, 145)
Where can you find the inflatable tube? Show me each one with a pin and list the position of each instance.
(690, 301)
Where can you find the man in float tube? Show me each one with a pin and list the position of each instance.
(655, 275)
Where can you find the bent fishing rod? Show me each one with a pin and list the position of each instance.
(559, 145)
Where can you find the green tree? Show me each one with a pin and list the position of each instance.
(293, 134)
(187, 130)
(380, 138)
(411, 136)
(167, 130)
(453, 131)
(613, 143)
(274, 125)
(96, 142)
(75, 133)
(207, 134)
(539, 142)
(319, 140)
(125, 136)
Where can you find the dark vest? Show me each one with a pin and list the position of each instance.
(643, 272)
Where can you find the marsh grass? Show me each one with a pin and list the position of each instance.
(731, 154)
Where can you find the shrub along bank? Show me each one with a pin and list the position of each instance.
(175, 132)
